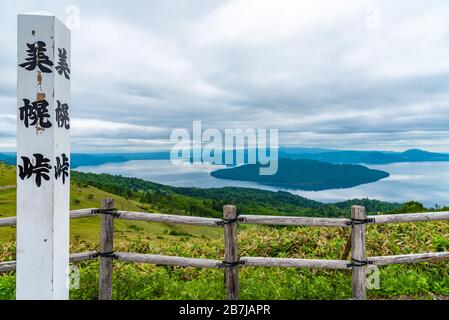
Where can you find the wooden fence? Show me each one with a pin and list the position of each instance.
(231, 263)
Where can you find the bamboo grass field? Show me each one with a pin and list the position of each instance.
(141, 281)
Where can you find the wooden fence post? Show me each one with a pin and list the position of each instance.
(231, 254)
(358, 214)
(106, 246)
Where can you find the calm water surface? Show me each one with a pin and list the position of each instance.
(427, 182)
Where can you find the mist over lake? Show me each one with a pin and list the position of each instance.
(427, 182)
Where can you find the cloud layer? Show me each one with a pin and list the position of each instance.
(342, 74)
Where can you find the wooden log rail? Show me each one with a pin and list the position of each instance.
(75, 257)
(252, 219)
(74, 214)
(162, 260)
(168, 218)
(357, 264)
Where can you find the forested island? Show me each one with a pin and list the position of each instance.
(305, 174)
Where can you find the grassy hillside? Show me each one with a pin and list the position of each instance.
(209, 202)
(7, 175)
(140, 281)
(85, 196)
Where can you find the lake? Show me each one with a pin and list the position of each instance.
(427, 182)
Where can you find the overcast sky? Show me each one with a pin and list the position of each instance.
(349, 74)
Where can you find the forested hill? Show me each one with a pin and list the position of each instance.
(209, 202)
(305, 174)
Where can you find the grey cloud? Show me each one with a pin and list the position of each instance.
(314, 72)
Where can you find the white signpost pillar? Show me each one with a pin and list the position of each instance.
(43, 152)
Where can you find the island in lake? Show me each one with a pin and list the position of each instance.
(303, 174)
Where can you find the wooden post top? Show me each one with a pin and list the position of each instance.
(229, 211)
(358, 212)
(107, 203)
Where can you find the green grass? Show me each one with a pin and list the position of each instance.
(142, 281)
(84, 196)
(7, 175)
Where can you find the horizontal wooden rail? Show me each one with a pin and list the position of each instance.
(168, 218)
(76, 257)
(9, 221)
(251, 261)
(7, 266)
(255, 219)
(81, 213)
(74, 214)
(294, 221)
(294, 263)
(83, 256)
(410, 217)
(245, 261)
(168, 260)
(410, 258)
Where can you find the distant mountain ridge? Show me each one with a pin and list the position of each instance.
(320, 154)
(365, 157)
(304, 174)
